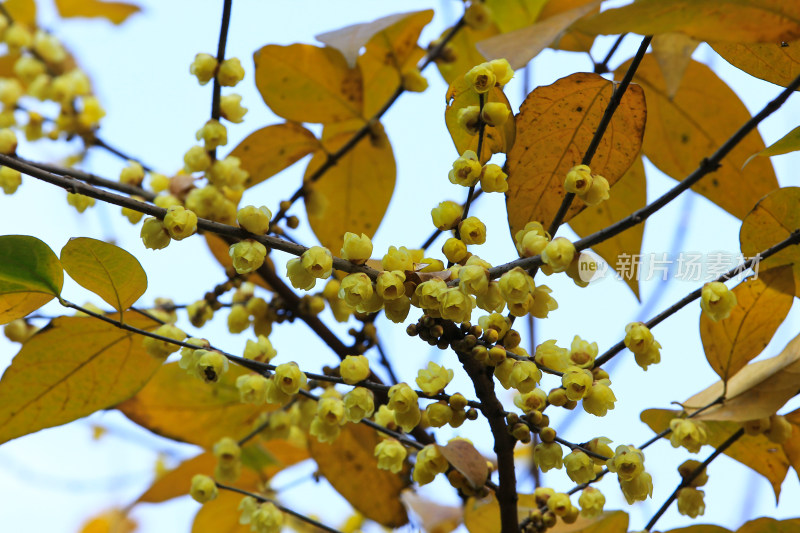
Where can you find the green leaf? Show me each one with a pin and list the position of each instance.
(107, 270)
(30, 276)
(70, 369)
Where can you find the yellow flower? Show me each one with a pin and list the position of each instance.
(390, 285)
(203, 67)
(717, 301)
(133, 174)
(230, 72)
(203, 489)
(446, 215)
(81, 203)
(196, 159)
(558, 254)
(495, 113)
(213, 134)
(230, 107)
(254, 219)
(391, 455)
(356, 289)
(455, 305)
(252, 388)
(354, 368)
(481, 77)
(468, 119)
(434, 379)
(627, 463)
(591, 501)
(599, 400)
(580, 467)
(402, 398)
(359, 403)
(248, 255)
(160, 348)
(578, 180)
(317, 261)
(430, 462)
(687, 433)
(289, 378)
(502, 70)
(356, 249)
(260, 350)
(398, 259)
(180, 222)
(466, 170)
(548, 455)
(493, 179)
(472, 231)
(454, 249)
(638, 488)
(10, 179)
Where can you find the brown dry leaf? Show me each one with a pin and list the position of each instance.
(305, 83)
(350, 465)
(463, 456)
(267, 151)
(683, 130)
(554, 128)
(355, 193)
(522, 45)
(72, 368)
(763, 303)
(388, 53)
(754, 451)
(220, 515)
(461, 95)
(743, 21)
(350, 39)
(116, 12)
(673, 51)
(483, 515)
(434, 517)
(771, 221)
(219, 249)
(756, 391)
(627, 195)
(772, 62)
(464, 53)
(179, 406)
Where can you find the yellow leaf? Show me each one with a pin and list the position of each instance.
(7, 63)
(763, 303)
(673, 51)
(350, 39)
(771, 221)
(107, 270)
(772, 62)
(388, 53)
(220, 515)
(179, 406)
(627, 195)
(743, 21)
(754, 451)
(464, 55)
(683, 130)
(433, 517)
(788, 143)
(791, 447)
(111, 521)
(267, 151)
(30, 276)
(571, 40)
(522, 45)
(22, 11)
(463, 456)
(554, 128)
(770, 525)
(461, 95)
(354, 194)
(116, 12)
(176, 482)
(483, 515)
(701, 528)
(70, 369)
(349, 464)
(756, 391)
(305, 83)
(510, 15)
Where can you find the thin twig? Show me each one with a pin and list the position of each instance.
(696, 472)
(794, 238)
(602, 67)
(613, 104)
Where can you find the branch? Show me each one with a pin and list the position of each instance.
(493, 410)
(223, 230)
(794, 238)
(706, 167)
(223, 39)
(602, 67)
(696, 472)
(286, 510)
(613, 104)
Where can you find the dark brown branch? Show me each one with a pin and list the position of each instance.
(602, 67)
(223, 40)
(493, 410)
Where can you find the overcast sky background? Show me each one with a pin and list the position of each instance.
(55, 479)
